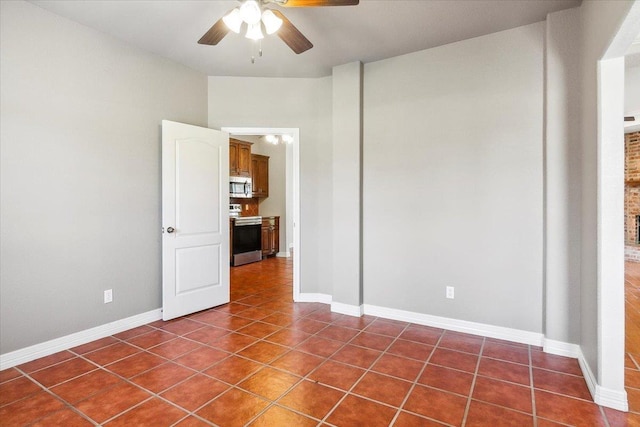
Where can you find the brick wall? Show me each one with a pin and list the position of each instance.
(631, 194)
(632, 157)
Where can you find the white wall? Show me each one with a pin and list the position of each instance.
(632, 89)
(80, 173)
(276, 203)
(453, 180)
(562, 177)
(632, 97)
(290, 103)
(347, 189)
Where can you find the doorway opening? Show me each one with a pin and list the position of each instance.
(288, 205)
(632, 223)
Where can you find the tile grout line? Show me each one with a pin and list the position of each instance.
(129, 380)
(153, 395)
(415, 381)
(344, 344)
(103, 368)
(272, 403)
(275, 403)
(236, 386)
(604, 416)
(305, 377)
(357, 381)
(473, 383)
(366, 371)
(532, 388)
(47, 390)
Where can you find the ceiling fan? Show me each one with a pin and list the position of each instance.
(258, 17)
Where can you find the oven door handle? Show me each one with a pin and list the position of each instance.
(247, 186)
(245, 221)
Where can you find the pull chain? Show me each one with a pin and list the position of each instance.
(256, 45)
(253, 53)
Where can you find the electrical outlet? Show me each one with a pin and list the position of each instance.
(450, 292)
(108, 296)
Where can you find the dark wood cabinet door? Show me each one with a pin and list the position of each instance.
(260, 175)
(233, 159)
(275, 240)
(266, 249)
(254, 176)
(263, 175)
(244, 159)
(239, 158)
(270, 236)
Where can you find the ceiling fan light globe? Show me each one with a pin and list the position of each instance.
(254, 32)
(250, 12)
(271, 22)
(233, 20)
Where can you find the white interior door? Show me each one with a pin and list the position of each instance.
(195, 219)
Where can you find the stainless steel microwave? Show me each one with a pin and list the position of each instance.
(240, 187)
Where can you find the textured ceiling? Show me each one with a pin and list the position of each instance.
(373, 30)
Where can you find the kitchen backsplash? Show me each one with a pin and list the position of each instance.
(250, 207)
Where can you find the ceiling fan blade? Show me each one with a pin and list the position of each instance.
(629, 119)
(215, 33)
(291, 35)
(316, 3)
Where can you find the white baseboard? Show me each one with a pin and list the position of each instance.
(491, 331)
(313, 297)
(614, 399)
(283, 255)
(336, 307)
(27, 354)
(603, 396)
(560, 348)
(348, 309)
(587, 374)
(507, 334)
(610, 398)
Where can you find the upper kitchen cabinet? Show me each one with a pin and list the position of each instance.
(260, 175)
(239, 158)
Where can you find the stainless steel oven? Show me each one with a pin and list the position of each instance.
(247, 240)
(239, 187)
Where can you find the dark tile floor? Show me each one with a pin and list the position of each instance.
(264, 361)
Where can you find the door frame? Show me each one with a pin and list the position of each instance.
(293, 164)
(610, 389)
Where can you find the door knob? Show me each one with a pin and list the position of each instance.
(170, 230)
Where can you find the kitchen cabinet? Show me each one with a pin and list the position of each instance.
(270, 235)
(239, 158)
(260, 175)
